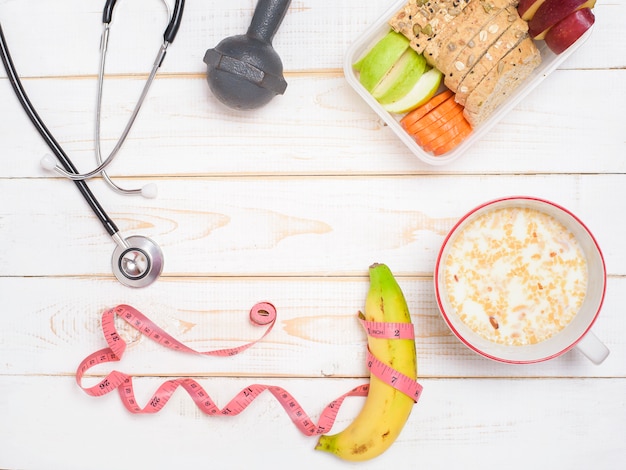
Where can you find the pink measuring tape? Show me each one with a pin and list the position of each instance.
(262, 314)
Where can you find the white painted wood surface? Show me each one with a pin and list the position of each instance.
(290, 204)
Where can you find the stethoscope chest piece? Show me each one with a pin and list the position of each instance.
(139, 263)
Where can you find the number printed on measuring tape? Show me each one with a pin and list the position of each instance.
(392, 377)
(388, 330)
(262, 314)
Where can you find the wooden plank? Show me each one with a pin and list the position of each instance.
(282, 226)
(562, 423)
(316, 334)
(313, 36)
(320, 126)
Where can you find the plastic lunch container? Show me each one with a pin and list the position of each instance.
(376, 31)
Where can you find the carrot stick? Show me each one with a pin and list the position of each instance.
(449, 146)
(451, 127)
(448, 106)
(418, 113)
(439, 125)
(434, 130)
(453, 120)
(452, 143)
(461, 128)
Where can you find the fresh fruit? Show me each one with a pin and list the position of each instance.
(553, 11)
(422, 91)
(402, 76)
(380, 58)
(386, 409)
(527, 8)
(567, 31)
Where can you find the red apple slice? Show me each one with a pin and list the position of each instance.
(527, 8)
(567, 31)
(553, 11)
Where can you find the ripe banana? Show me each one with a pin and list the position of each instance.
(386, 409)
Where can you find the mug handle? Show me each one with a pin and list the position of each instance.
(593, 348)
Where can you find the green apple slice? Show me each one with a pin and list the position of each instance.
(422, 91)
(401, 78)
(380, 58)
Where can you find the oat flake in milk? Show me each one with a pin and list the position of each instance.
(515, 275)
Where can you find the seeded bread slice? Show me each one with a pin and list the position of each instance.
(512, 36)
(501, 81)
(454, 37)
(456, 69)
(422, 20)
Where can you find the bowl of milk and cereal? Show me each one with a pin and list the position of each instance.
(521, 280)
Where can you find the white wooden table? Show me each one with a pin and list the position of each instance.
(290, 203)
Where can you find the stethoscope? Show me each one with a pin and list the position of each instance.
(137, 261)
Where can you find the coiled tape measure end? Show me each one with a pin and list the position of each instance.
(263, 313)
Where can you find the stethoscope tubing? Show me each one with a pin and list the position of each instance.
(47, 136)
(137, 261)
(170, 31)
(143, 250)
(102, 165)
(168, 36)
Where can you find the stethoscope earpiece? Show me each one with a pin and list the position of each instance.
(48, 162)
(149, 191)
